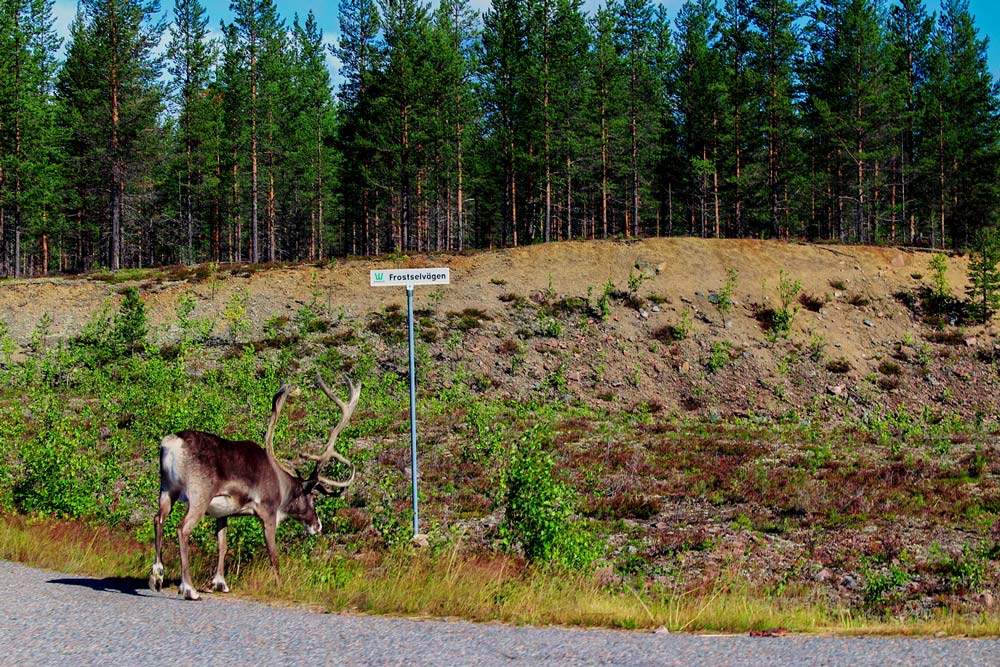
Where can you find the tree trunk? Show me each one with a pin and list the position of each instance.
(254, 139)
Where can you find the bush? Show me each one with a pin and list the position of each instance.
(56, 475)
(129, 330)
(539, 510)
(719, 356)
(104, 338)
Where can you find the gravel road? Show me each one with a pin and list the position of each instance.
(47, 618)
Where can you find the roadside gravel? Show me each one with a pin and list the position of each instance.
(48, 618)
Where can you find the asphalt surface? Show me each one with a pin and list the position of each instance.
(47, 618)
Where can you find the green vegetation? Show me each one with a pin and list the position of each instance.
(723, 298)
(984, 277)
(548, 468)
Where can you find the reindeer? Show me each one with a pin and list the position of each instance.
(224, 478)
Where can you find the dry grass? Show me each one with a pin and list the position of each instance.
(448, 582)
(71, 547)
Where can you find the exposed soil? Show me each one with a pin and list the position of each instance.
(802, 462)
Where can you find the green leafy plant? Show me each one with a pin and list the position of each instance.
(788, 290)
(194, 331)
(719, 356)
(816, 348)
(965, 571)
(237, 313)
(40, 335)
(677, 332)
(7, 344)
(130, 325)
(539, 509)
(604, 301)
(940, 288)
(723, 299)
(884, 583)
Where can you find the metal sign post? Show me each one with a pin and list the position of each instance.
(409, 278)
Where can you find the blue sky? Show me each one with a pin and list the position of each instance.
(986, 13)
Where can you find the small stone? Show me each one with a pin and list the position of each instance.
(420, 541)
(836, 389)
(662, 630)
(869, 323)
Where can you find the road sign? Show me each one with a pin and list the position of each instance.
(409, 277)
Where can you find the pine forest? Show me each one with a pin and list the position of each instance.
(151, 138)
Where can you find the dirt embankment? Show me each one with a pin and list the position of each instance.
(655, 348)
(760, 479)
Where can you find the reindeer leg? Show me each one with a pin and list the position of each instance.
(196, 510)
(270, 531)
(156, 574)
(219, 580)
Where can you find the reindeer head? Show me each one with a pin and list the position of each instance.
(300, 504)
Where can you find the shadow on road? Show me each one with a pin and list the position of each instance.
(124, 585)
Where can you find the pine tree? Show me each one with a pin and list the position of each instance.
(190, 56)
(779, 47)
(668, 170)
(110, 88)
(258, 27)
(738, 44)
(232, 84)
(700, 93)
(359, 55)
(455, 30)
(314, 118)
(961, 120)
(570, 88)
(635, 37)
(402, 114)
(30, 179)
(847, 81)
(505, 61)
(909, 39)
(984, 276)
(610, 118)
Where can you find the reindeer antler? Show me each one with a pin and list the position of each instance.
(330, 451)
(277, 403)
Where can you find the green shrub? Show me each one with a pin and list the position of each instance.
(719, 355)
(540, 508)
(56, 474)
(781, 319)
(723, 299)
(965, 571)
(128, 332)
(940, 289)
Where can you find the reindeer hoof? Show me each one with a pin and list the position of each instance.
(188, 592)
(219, 585)
(156, 578)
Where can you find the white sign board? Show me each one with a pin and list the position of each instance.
(409, 277)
